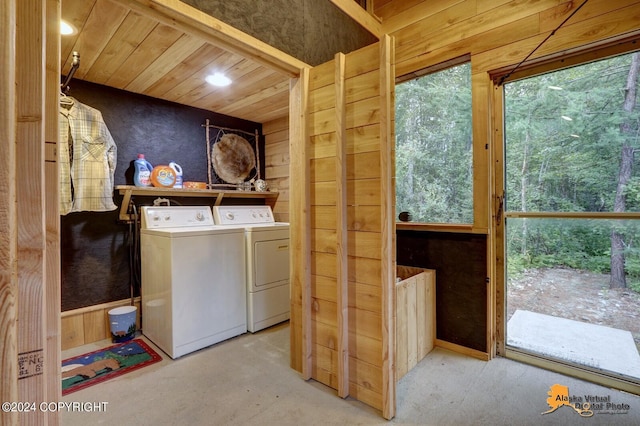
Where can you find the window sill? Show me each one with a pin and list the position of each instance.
(441, 227)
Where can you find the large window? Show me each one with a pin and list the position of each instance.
(434, 150)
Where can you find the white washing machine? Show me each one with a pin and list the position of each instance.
(267, 257)
(193, 279)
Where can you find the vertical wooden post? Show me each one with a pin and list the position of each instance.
(299, 213)
(29, 173)
(8, 214)
(342, 276)
(52, 217)
(498, 286)
(387, 202)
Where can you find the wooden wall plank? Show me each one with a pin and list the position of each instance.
(363, 61)
(72, 331)
(364, 296)
(508, 33)
(365, 244)
(363, 86)
(481, 88)
(572, 35)
(342, 246)
(8, 214)
(301, 339)
(277, 164)
(326, 312)
(323, 75)
(323, 264)
(368, 138)
(402, 332)
(322, 98)
(398, 14)
(365, 348)
(387, 219)
(322, 121)
(52, 296)
(362, 113)
(30, 197)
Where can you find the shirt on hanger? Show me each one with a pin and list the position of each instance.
(88, 157)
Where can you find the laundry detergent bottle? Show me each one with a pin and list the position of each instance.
(142, 174)
(178, 170)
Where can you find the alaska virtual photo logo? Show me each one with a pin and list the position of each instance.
(584, 405)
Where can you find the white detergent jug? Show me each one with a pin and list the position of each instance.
(176, 168)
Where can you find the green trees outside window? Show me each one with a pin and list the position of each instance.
(434, 150)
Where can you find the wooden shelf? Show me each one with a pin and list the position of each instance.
(127, 191)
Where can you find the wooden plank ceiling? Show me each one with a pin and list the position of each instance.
(121, 48)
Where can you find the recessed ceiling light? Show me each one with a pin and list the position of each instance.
(218, 79)
(555, 87)
(66, 28)
(564, 117)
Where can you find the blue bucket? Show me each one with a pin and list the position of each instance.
(123, 323)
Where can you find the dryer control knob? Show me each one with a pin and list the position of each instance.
(199, 217)
(229, 215)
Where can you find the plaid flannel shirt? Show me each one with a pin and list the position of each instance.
(87, 160)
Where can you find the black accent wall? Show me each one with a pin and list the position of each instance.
(95, 247)
(460, 262)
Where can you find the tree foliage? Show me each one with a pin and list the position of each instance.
(434, 171)
(564, 146)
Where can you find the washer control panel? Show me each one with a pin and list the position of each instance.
(158, 217)
(230, 215)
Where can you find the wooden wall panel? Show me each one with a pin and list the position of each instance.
(277, 163)
(349, 227)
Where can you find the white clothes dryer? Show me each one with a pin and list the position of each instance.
(267, 262)
(193, 279)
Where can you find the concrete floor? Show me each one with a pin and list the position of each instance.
(247, 380)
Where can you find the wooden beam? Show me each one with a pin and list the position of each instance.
(299, 213)
(29, 181)
(368, 21)
(387, 203)
(192, 21)
(8, 214)
(342, 249)
(52, 297)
